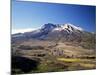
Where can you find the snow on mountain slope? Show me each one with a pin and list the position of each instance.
(76, 27)
(49, 27)
(53, 32)
(59, 27)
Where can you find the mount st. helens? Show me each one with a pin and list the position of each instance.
(55, 32)
(58, 33)
(55, 47)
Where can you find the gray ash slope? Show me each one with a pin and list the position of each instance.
(57, 32)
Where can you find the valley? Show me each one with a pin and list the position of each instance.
(55, 57)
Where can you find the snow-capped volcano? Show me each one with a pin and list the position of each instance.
(50, 27)
(53, 31)
(60, 27)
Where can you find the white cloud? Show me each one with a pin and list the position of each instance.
(22, 30)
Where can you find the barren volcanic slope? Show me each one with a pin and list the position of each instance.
(53, 47)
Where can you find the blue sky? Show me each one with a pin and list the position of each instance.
(34, 15)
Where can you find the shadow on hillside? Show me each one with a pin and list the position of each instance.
(24, 64)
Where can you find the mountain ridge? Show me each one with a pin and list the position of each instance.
(56, 32)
